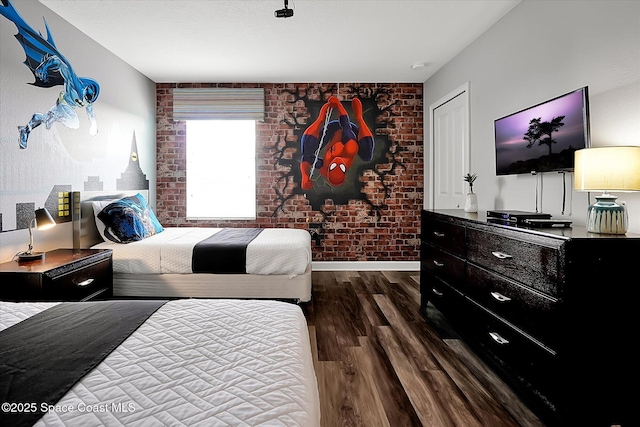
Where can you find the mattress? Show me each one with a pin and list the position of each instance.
(282, 251)
(198, 363)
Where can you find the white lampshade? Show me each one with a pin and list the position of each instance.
(607, 169)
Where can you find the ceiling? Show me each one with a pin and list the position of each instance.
(375, 41)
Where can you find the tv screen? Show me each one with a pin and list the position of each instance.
(543, 138)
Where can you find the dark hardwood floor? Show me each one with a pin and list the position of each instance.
(378, 361)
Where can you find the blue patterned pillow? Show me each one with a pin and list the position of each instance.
(129, 220)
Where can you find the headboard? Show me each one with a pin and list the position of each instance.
(85, 233)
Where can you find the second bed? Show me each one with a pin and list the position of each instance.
(278, 261)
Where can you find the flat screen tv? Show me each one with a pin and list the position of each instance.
(544, 137)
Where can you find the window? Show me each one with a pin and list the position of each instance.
(221, 149)
(221, 169)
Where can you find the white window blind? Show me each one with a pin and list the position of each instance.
(218, 104)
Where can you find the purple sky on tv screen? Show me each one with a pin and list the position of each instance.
(510, 130)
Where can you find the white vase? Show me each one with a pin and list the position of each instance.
(471, 204)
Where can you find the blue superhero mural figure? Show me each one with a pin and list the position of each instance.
(50, 68)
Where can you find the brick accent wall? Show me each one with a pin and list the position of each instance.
(381, 224)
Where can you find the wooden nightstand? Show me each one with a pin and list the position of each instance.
(64, 275)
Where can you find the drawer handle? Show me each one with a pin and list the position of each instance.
(501, 255)
(438, 264)
(85, 283)
(438, 234)
(437, 292)
(497, 338)
(498, 296)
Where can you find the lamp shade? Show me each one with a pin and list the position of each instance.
(44, 219)
(607, 169)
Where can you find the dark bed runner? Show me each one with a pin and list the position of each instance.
(224, 252)
(43, 356)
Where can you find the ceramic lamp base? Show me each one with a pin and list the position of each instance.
(606, 216)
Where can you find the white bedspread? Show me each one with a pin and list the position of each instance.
(274, 251)
(198, 363)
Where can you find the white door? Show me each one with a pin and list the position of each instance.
(449, 153)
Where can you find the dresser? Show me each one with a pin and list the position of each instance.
(63, 275)
(552, 310)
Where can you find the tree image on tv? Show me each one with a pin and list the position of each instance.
(542, 132)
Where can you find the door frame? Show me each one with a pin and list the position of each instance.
(463, 91)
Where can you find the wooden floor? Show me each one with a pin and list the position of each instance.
(379, 363)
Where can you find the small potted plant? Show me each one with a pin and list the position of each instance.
(470, 178)
(471, 204)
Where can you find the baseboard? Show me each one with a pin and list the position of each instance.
(365, 265)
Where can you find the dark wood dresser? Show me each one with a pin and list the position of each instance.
(553, 310)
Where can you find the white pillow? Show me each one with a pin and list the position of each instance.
(97, 208)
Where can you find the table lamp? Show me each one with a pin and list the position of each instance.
(41, 221)
(607, 169)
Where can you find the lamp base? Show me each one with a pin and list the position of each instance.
(606, 216)
(31, 257)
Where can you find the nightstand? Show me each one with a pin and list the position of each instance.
(63, 275)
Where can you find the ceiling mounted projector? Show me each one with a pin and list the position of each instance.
(284, 13)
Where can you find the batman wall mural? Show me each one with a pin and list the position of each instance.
(49, 139)
(50, 68)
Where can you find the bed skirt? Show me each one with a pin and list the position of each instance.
(213, 286)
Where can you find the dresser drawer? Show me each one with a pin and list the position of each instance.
(445, 235)
(79, 284)
(513, 351)
(443, 265)
(447, 299)
(534, 312)
(531, 263)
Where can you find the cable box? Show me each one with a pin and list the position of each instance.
(555, 223)
(516, 216)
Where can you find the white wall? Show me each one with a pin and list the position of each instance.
(540, 50)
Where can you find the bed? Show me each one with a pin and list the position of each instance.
(278, 260)
(195, 362)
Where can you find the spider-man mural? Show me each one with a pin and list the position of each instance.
(343, 139)
(337, 162)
